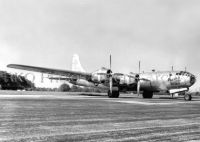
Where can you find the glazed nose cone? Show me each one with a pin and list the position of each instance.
(192, 79)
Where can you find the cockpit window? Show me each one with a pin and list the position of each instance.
(184, 73)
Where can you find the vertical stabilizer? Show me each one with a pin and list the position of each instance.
(76, 65)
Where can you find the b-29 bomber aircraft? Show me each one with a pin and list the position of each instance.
(172, 82)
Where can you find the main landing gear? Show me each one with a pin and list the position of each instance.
(114, 94)
(147, 94)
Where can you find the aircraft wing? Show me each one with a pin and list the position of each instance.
(67, 73)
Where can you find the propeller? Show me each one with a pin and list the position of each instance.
(137, 76)
(138, 88)
(109, 74)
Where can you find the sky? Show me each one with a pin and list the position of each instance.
(159, 33)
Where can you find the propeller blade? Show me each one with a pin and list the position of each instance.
(139, 67)
(110, 76)
(110, 84)
(110, 61)
(138, 88)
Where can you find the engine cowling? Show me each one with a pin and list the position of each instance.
(101, 75)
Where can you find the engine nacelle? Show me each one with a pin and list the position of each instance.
(85, 83)
(99, 77)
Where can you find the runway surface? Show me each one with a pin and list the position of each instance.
(72, 117)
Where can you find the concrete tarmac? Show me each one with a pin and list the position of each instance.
(78, 117)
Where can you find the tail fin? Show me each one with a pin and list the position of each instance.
(76, 65)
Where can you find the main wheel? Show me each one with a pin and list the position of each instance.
(147, 94)
(114, 94)
(187, 97)
(110, 94)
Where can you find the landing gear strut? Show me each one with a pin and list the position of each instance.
(147, 94)
(114, 94)
(187, 97)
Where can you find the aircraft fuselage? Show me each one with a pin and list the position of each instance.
(151, 81)
(163, 81)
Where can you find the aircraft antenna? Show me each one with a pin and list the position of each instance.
(110, 61)
(185, 68)
(172, 68)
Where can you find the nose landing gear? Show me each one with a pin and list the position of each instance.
(187, 97)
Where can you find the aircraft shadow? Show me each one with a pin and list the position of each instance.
(88, 94)
(195, 98)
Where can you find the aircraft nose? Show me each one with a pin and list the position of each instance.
(192, 79)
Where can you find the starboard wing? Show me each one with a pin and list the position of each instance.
(67, 73)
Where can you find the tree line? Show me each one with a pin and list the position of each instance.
(17, 82)
(14, 82)
(66, 88)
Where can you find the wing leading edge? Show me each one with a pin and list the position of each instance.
(68, 73)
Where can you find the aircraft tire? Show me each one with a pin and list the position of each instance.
(147, 95)
(109, 94)
(114, 94)
(187, 97)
